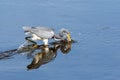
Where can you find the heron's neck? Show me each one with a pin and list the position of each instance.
(57, 37)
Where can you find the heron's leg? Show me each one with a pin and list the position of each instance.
(45, 41)
(28, 39)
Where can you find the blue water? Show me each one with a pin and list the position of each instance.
(94, 24)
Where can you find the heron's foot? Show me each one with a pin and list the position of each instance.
(28, 39)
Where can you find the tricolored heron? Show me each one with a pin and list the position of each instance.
(44, 33)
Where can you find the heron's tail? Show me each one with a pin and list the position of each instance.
(27, 30)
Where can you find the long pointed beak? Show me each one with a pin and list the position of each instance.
(69, 37)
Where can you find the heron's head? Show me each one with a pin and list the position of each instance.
(65, 34)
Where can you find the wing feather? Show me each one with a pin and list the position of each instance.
(42, 32)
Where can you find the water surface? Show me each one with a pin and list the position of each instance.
(93, 24)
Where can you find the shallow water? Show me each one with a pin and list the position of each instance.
(93, 24)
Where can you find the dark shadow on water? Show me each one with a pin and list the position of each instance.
(41, 54)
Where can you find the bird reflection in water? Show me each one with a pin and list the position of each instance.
(48, 53)
(41, 54)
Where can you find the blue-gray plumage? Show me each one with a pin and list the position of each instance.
(44, 33)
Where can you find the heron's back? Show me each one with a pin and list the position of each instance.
(41, 32)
